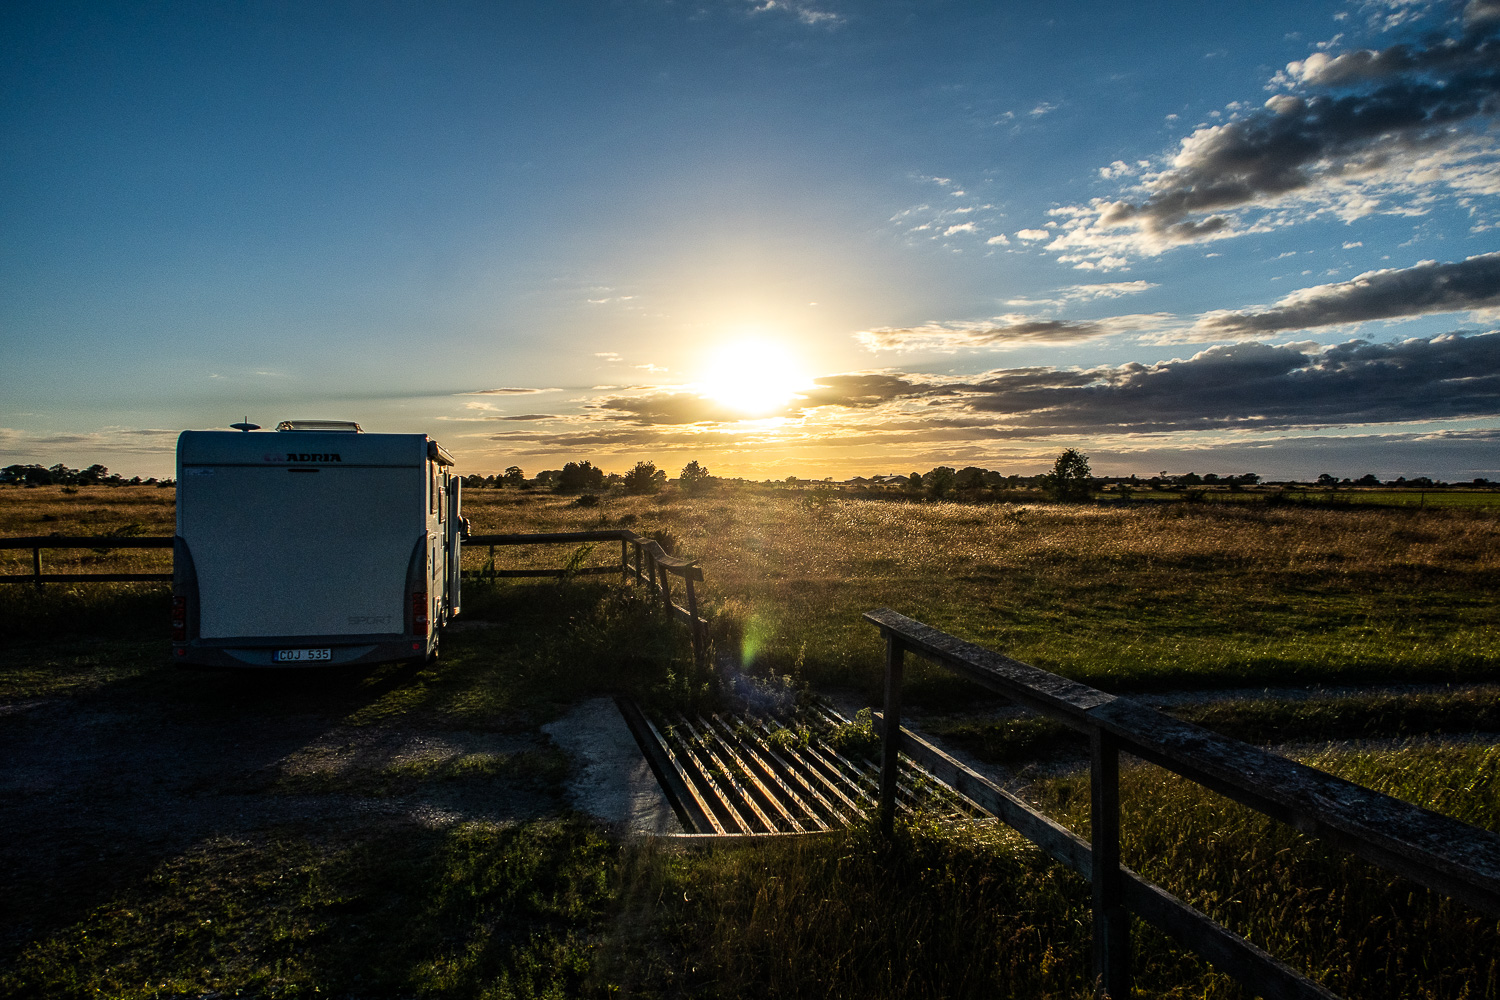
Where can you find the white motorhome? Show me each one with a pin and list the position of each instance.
(314, 544)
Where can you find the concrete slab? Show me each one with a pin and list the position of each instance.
(613, 782)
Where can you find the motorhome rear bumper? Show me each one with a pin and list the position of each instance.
(259, 653)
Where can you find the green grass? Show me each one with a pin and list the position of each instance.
(1131, 597)
(471, 911)
(1404, 498)
(544, 769)
(404, 892)
(396, 897)
(970, 912)
(1361, 716)
(1468, 498)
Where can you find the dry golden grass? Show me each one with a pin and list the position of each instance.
(1140, 595)
(88, 510)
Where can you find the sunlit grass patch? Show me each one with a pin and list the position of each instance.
(542, 768)
(1269, 720)
(87, 510)
(1128, 597)
(31, 669)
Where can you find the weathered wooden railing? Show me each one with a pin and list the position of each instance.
(652, 565)
(37, 543)
(1432, 850)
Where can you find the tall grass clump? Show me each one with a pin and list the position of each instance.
(1354, 927)
(971, 911)
(931, 913)
(116, 610)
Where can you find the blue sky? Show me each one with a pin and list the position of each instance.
(820, 238)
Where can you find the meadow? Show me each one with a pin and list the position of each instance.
(405, 831)
(1125, 597)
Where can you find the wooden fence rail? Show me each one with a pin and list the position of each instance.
(652, 565)
(36, 543)
(1435, 851)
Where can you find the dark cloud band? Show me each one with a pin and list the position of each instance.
(1427, 288)
(1255, 386)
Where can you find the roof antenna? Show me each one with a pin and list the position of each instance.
(247, 426)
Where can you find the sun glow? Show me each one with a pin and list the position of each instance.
(753, 377)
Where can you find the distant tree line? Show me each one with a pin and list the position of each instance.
(61, 475)
(1070, 479)
(585, 477)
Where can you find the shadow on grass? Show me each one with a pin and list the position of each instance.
(111, 610)
(131, 779)
(464, 911)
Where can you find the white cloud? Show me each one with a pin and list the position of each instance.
(1398, 131)
(1109, 290)
(804, 12)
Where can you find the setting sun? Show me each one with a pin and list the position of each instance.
(753, 377)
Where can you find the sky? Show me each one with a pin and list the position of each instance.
(822, 238)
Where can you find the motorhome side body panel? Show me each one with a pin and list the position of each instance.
(305, 539)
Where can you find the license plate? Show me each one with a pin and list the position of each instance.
(301, 655)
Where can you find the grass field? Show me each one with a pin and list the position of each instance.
(403, 832)
(1131, 598)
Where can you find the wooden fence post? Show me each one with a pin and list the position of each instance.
(692, 605)
(1111, 923)
(895, 662)
(637, 562)
(36, 566)
(624, 560)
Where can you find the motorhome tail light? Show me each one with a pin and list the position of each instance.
(179, 619)
(419, 621)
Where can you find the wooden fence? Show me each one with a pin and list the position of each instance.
(1435, 851)
(642, 560)
(37, 543)
(652, 565)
